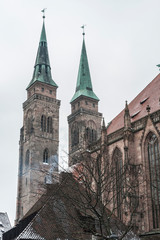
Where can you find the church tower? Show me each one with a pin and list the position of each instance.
(39, 136)
(84, 120)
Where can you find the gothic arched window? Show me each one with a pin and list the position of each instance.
(154, 174)
(91, 132)
(46, 156)
(49, 125)
(27, 159)
(43, 123)
(118, 183)
(75, 134)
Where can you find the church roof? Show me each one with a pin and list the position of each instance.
(150, 95)
(42, 69)
(84, 84)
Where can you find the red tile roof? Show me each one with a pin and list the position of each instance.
(150, 95)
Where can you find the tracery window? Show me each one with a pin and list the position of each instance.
(75, 134)
(49, 124)
(91, 133)
(27, 159)
(154, 174)
(43, 123)
(118, 181)
(46, 156)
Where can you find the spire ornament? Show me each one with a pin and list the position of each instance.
(83, 26)
(43, 11)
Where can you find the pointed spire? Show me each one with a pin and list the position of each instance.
(103, 124)
(42, 69)
(127, 118)
(84, 84)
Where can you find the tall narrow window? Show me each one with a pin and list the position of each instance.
(27, 159)
(91, 133)
(46, 156)
(43, 123)
(75, 134)
(118, 189)
(49, 125)
(154, 172)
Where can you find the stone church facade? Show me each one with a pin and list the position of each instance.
(133, 135)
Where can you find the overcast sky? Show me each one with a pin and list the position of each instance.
(123, 47)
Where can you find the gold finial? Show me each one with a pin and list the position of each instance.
(83, 26)
(43, 11)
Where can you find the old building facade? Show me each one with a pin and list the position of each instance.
(133, 136)
(39, 136)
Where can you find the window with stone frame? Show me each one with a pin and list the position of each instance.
(49, 125)
(46, 156)
(27, 159)
(118, 181)
(154, 175)
(75, 134)
(43, 123)
(91, 132)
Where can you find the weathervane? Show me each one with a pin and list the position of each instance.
(83, 26)
(43, 11)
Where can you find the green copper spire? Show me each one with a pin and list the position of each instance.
(42, 69)
(84, 84)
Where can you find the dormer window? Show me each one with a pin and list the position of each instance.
(144, 100)
(50, 91)
(42, 89)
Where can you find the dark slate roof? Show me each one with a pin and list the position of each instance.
(150, 95)
(84, 84)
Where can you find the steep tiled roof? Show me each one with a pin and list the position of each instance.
(150, 95)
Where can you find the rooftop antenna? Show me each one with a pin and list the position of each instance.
(83, 26)
(43, 11)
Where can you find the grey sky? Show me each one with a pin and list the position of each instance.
(123, 47)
